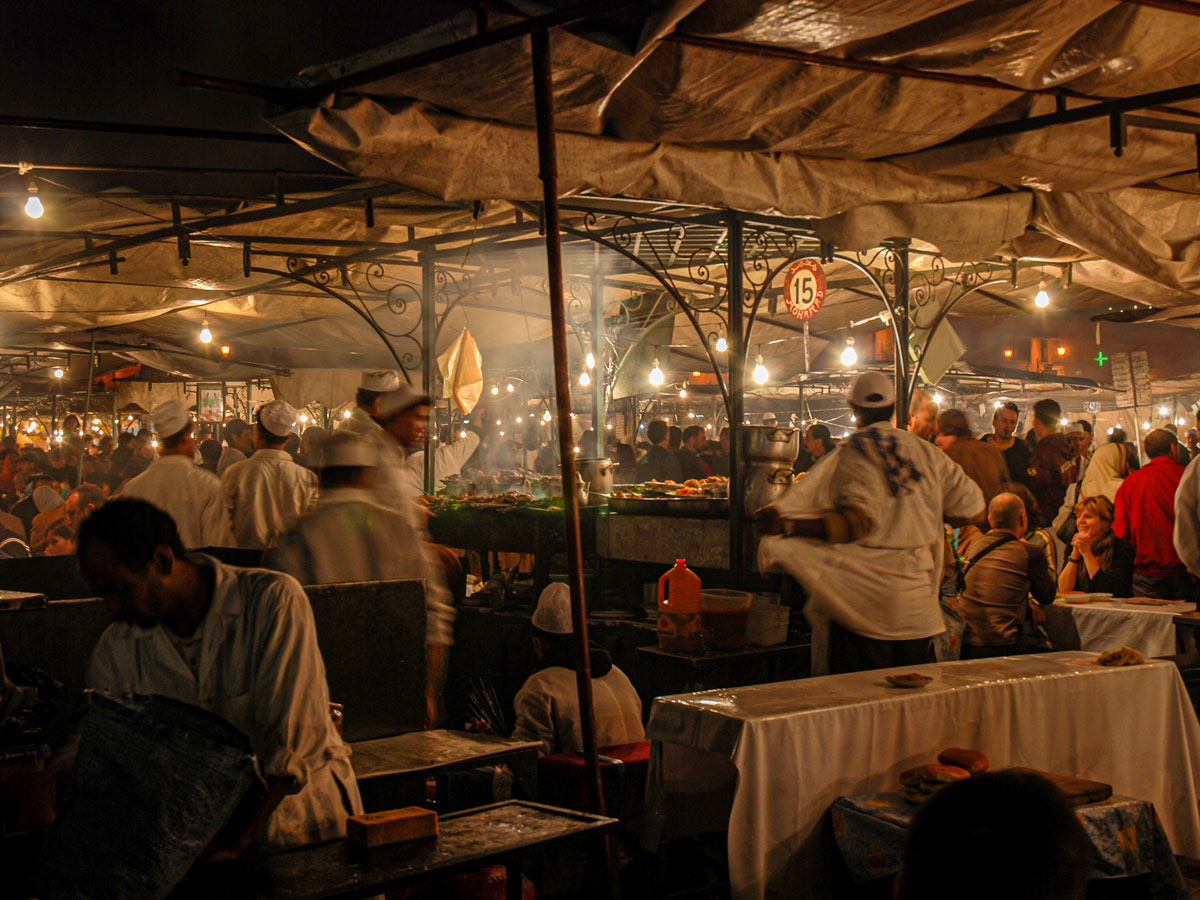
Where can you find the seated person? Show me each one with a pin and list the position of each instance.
(547, 706)
(1099, 561)
(1002, 570)
(61, 540)
(1017, 828)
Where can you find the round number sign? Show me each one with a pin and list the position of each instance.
(804, 288)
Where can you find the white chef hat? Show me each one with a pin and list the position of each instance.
(872, 390)
(404, 397)
(277, 418)
(170, 418)
(380, 382)
(347, 450)
(553, 613)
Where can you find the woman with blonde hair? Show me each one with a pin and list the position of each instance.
(1099, 560)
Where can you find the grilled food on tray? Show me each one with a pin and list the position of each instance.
(1122, 656)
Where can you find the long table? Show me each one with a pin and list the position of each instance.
(782, 753)
(1110, 624)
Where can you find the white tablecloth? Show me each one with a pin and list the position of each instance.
(1106, 626)
(799, 745)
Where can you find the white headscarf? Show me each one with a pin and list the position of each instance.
(1105, 472)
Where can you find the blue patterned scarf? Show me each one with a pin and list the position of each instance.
(901, 473)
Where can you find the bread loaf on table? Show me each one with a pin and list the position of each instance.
(964, 758)
(932, 775)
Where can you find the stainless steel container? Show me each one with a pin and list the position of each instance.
(766, 484)
(597, 474)
(766, 443)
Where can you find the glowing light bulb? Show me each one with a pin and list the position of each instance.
(303, 417)
(656, 375)
(33, 206)
(509, 387)
(845, 434)
(1042, 300)
(854, 418)
(224, 349)
(546, 416)
(760, 374)
(849, 355)
(576, 449)
(937, 398)
(502, 434)
(608, 427)
(996, 404)
(345, 413)
(1162, 411)
(498, 422)
(205, 334)
(1064, 421)
(58, 373)
(584, 378)
(154, 442)
(1145, 426)
(462, 434)
(590, 360)
(683, 393)
(722, 344)
(519, 420)
(691, 415)
(495, 390)
(1110, 431)
(1181, 421)
(1062, 351)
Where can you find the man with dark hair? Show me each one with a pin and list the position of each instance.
(210, 455)
(266, 493)
(1004, 439)
(674, 438)
(351, 537)
(239, 643)
(818, 443)
(1002, 571)
(717, 457)
(81, 503)
(173, 483)
(982, 462)
(659, 463)
(690, 463)
(1053, 464)
(997, 836)
(1144, 515)
(864, 535)
(239, 437)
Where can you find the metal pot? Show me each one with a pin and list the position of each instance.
(597, 474)
(767, 443)
(765, 485)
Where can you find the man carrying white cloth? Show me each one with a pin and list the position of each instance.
(863, 534)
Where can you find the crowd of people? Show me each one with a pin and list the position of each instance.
(1009, 524)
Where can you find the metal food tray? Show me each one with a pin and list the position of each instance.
(691, 507)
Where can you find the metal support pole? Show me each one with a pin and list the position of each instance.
(428, 360)
(543, 92)
(737, 399)
(87, 405)
(599, 353)
(900, 300)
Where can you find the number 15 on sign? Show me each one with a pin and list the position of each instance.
(804, 289)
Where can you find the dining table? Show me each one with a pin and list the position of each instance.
(1106, 624)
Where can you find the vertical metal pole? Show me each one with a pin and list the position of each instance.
(737, 399)
(87, 405)
(903, 326)
(599, 352)
(543, 91)
(428, 361)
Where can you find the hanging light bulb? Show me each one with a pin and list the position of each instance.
(495, 390)
(1042, 300)
(509, 387)
(303, 417)
(584, 378)
(546, 416)
(849, 355)
(722, 344)
(462, 434)
(224, 349)
(683, 392)
(33, 206)
(590, 360)
(345, 413)
(205, 334)
(656, 375)
(760, 374)
(1162, 410)
(937, 398)
(996, 404)
(519, 420)
(58, 372)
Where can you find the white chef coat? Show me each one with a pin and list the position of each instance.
(547, 708)
(190, 495)
(350, 537)
(393, 485)
(448, 459)
(1187, 518)
(229, 456)
(884, 586)
(264, 495)
(258, 667)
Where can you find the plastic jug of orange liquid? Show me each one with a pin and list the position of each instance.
(679, 609)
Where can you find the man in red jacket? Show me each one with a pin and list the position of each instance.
(1145, 516)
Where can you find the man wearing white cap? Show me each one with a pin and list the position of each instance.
(863, 534)
(547, 706)
(175, 484)
(392, 483)
(351, 537)
(267, 492)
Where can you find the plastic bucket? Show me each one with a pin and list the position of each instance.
(723, 616)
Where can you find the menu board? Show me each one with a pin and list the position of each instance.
(1122, 379)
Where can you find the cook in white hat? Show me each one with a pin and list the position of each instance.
(547, 706)
(883, 495)
(393, 486)
(277, 418)
(404, 413)
(170, 418)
